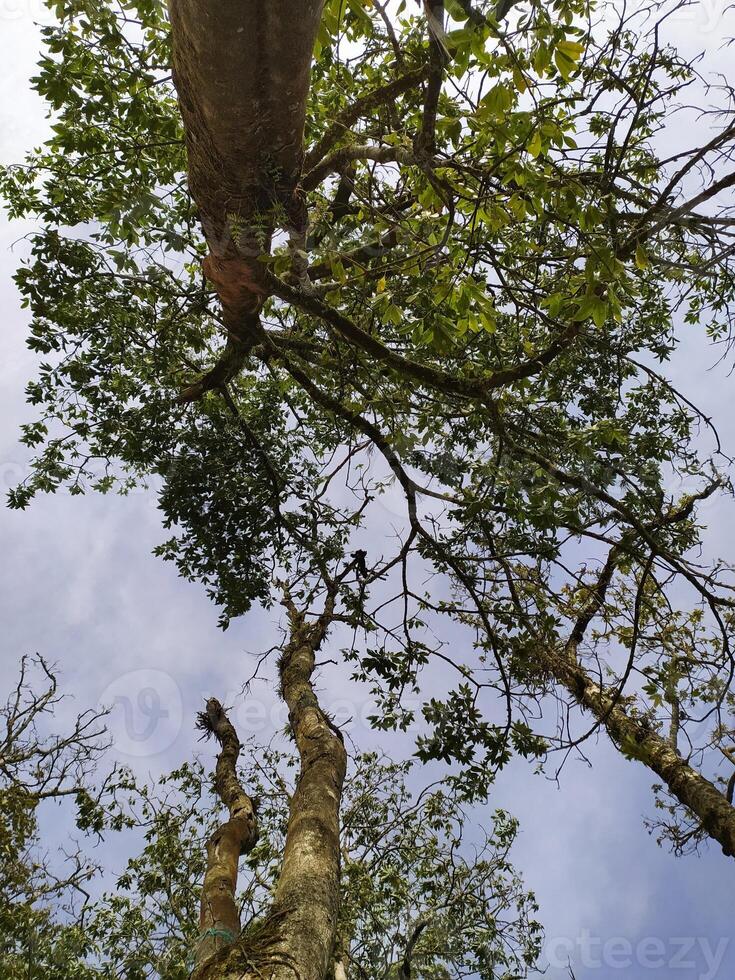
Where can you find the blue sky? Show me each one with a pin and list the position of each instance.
(79, 584)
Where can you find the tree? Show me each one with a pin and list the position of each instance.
(417, 899)
(39, 919)
(448, 254)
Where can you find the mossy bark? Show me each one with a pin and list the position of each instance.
(219, 920)
(636, 738)
(302, 922)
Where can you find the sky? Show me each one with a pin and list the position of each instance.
(78, 584)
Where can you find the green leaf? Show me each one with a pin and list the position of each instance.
(641, 258)
(533, 147)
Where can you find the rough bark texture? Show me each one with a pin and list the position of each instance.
(308, 888)
(241, 72)
(635, 737)
(298, 938)
(219, 920)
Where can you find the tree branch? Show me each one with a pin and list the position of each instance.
(219, 920)
(360, 108)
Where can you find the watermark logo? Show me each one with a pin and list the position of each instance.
(254, 716)
(702, 16)
(700, 956)
(146, 712)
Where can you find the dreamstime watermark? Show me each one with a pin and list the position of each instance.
(146, 712)
(700, 956)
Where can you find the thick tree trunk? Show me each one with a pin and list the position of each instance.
(308, 888)
(302, 922)
(241, 71)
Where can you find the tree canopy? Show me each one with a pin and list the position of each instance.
(292, 256)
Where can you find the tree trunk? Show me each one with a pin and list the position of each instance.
(219, 920)
(242, 72)
(296, 937)
(308, 888)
